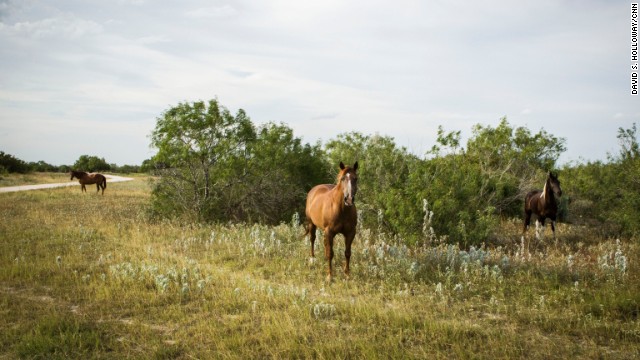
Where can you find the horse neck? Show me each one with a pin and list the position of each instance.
(338, 193)
(547, 193)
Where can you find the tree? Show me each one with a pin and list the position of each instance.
(147, 165)
(629, 148)
(606, 195)
(384, 170)
(277, 170)
(91, 164)
(42, 166)
(218, 167)
(11, 164)
(511, 161)
(194, 140)
(470, 188)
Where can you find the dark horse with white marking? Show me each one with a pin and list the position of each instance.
(85, 178)
(543, 203)
(331, 207)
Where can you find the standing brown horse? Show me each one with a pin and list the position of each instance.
(543, 203)
(332, 208)
(84, 178)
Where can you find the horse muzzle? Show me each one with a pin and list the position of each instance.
(349, 201)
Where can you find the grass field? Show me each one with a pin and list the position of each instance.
(89, 276)
(33, 178)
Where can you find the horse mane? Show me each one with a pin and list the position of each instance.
(551, 176)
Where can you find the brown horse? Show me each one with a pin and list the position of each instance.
(84, 178)
(543, 203)
(332, 208)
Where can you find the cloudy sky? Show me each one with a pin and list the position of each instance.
(91, 77)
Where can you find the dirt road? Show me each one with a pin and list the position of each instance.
(110, 179)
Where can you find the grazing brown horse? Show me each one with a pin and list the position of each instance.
(332, 208)
(84, 178)
(543, 203)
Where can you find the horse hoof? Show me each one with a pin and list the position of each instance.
(312, 261)
(329, 278)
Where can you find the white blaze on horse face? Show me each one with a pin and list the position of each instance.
(347, 188)
(348, 191)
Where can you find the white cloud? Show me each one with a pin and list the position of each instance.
(212, 12)
(398, 69)
(154, 39)
(68, 27)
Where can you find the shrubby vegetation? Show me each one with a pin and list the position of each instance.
(11, 164)
(91, 164)
(215, 166)
(468, 189)
(219, 167)
(606, 195)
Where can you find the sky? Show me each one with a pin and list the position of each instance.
(85, 77)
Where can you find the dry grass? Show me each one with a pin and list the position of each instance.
(33, 178)
(86, 276)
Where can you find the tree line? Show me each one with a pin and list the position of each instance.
(11, 164)
(213, 165)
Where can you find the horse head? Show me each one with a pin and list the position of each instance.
(552, 180)
(348, 179)
(77, 174)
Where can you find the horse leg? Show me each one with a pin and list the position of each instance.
(553, 226)
(540, 220)
(348, 239)
(527, 221)
(328, 251)
(312, 237)
(98, 188)
(84, 188)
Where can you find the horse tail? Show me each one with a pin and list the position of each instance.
(104, 182)
(307, 229)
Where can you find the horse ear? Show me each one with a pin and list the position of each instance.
(341, 165)
(355, 166)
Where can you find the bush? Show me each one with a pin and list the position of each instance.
(11, 164)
